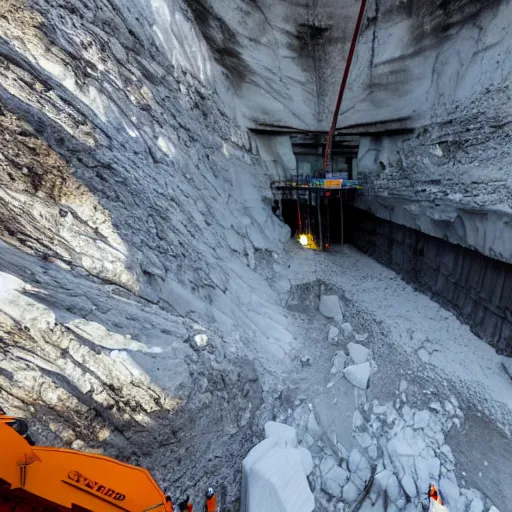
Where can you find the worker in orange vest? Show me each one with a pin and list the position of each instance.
(436, 502)
(211, 501)
(185, 504)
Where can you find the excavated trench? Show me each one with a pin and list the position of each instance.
(477, 288)
(474, 286)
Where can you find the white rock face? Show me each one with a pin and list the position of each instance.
(358, 375)
(142, 203)
(330, 307)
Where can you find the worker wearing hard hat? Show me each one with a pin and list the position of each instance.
(436, 502)
(211, 501)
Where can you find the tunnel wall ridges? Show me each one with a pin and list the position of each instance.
(477, 288)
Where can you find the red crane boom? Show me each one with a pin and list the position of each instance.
(343, 84)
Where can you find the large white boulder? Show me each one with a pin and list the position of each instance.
(307, 460)
(436, 507)
(274, 474)
(330, 307)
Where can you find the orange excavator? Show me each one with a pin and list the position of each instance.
(46, 479)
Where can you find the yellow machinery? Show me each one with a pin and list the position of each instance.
(45, 479)
(308, 241)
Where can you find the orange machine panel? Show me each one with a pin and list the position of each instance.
(67, 477)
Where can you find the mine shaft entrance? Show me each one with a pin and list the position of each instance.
(314, 205)
(321, 214)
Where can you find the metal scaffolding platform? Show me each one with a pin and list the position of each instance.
(316, 201)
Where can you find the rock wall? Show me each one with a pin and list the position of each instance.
(484, 230)
(417, 61)
(475, 287)
(414, 62)
(434, 113)
(133, 210)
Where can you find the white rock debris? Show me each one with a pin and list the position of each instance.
(358, 353)
(347, 330)
(330, 307)
(350, 492)
(201, 340)
(358, 374)
(333, 333)
(334, 481)
(338, 362)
